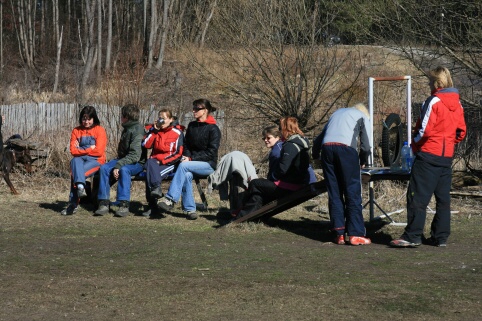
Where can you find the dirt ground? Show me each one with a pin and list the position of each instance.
(82, 267)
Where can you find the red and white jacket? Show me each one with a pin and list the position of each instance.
(166, 144)
(440, 126)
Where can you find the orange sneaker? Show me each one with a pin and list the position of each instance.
(359, 240)
(340, 239)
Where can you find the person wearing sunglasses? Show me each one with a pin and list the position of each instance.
(88, 142)
(287, 174)
(200, 157)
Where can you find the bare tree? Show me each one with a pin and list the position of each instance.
(89, 7)
(24, 14)
(430, 33)
(277, 67)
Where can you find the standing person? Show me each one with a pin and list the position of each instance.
(440, 126)
(200, 157)
(129, 162)
(87, 146)
(289, 172)
(341, 162)
(166, 139)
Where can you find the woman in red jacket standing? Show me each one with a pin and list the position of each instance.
(440, 126)
(166, 139)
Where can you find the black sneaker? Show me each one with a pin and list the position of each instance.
(71, 209)
(165, 204)
(191, 215)
(103, 208)
(433, 242)
(123, 209)
(157, 192)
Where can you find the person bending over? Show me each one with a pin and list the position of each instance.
(341, 162)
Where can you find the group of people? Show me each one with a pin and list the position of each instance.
(343, 147)
(185, 155)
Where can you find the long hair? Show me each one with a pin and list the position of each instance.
(441, 77)
(289, 126)
(91, 113)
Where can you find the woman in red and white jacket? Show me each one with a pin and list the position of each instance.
(165, 137)
(440, 126)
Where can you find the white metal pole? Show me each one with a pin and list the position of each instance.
(370, 108)
(409, 110)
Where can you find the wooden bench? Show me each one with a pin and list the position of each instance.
(281, 205)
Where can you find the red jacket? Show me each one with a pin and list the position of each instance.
(166, 144)
(441, 124)
(83, 138)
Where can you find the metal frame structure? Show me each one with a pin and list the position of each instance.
(371, 81)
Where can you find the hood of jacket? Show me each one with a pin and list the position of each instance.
(449, 96)
(299, 140)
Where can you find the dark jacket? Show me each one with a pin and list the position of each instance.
(129, 150)
(202, 141)
(294, 162)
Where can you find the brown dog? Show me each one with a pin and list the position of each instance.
(9, 157)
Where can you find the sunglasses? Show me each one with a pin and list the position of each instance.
(196, 109)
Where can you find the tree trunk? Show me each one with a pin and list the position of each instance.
(109, 38)
(152, 33)
(57, 65)
(90, 49)
(206, 23)
(99, 39)
(164, 28)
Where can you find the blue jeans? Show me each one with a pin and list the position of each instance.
(124, 182)
(80, 168)
(181, 184)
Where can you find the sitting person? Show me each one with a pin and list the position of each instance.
(165, 137)
(87, 146)
(129, 162)
(200, 156)
(272, 138)
(289, 173)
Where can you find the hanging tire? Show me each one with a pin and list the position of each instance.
(392, 137)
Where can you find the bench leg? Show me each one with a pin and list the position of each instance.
(201, 193)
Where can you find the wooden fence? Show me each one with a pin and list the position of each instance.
(45, 120)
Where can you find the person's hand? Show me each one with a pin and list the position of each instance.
(92, 146)
(115, 172)
(76, 144)
(184, 159)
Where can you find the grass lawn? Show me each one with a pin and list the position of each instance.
(82, 267)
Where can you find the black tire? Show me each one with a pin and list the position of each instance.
(392, 136)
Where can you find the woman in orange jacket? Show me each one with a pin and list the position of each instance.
(87, 146)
